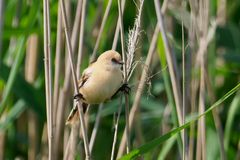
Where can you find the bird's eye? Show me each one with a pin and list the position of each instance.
(114, 60)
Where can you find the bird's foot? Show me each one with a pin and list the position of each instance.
(125, 88)
(77, 96)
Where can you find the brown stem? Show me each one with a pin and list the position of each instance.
(74, 76)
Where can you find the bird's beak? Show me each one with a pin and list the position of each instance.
(120, 62)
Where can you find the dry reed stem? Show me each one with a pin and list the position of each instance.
(204, 41)
(116, 129)
(59, 47)
(122, 40)
(201, 123)
(65, 91)
(80, 110)
(95, 128)
(194, 89)
(172, 65)
(216, 116)
(81, 35)
(44, 143)
(70, 149)
(2, 144)
(115, 40)
(221, 12)
(93, 56)
(48, 75)
(30, 75)
(72, 141)
(184, 152)
(193, 84)
(203, 26)
(125, 75)
(139, 89)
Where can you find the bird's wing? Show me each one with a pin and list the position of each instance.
(85, 76)
(74, 115)
(74, 112)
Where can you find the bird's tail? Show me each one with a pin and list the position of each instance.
(73, 117)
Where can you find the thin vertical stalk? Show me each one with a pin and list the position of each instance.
(116, 129)
(57, 63)
(101, 30)
(30, 75)
(203, 43)
(48, 77)
(183, 96)
(216, 117)
(65, 90)
(81, 35)
(193, 80)
(114, 45)
(70, 149)
(95, 128)
(81, 9)
(122, 40)
(80, 110)
(125, 75)
(201, 122)
(140, 89)
(221, 12)
(2, 144)
(172, 64)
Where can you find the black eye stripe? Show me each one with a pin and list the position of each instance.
(114, 60)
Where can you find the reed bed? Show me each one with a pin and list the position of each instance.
(181, 61)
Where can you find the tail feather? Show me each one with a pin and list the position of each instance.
(74, 115)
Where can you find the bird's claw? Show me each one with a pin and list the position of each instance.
(125, 88)
(77, 96)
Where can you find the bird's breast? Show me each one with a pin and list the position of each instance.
(101, 86)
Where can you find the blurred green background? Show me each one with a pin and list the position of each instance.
(22, 90)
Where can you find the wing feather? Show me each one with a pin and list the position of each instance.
(85, 76)
(74, 112)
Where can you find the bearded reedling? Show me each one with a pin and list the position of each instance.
(100, 82)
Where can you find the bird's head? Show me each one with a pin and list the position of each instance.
(111, 58)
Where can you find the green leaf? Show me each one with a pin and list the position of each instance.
(16, 32)
(32, 97)
(166, 147)
(28, 23)
(12, 77)
(234, 107)
(154, 143)
(13, 114)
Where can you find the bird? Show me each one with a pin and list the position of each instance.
(99, 82)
